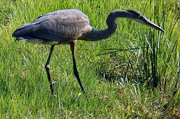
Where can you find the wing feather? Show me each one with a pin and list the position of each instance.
(58, 25)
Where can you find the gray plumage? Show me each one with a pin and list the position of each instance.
(55, 27)
(67, 26)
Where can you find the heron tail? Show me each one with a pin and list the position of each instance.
(24, 32)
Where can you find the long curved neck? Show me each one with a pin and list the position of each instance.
(95, 34)
(92, 34)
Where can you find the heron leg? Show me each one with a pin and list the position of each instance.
(48, 67)
(72, 45)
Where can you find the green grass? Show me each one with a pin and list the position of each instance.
(133, 74)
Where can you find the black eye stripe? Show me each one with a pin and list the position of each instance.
(136, 13)
(142, 18)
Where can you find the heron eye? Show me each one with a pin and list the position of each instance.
(140, 17)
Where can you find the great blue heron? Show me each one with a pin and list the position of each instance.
(68, 26)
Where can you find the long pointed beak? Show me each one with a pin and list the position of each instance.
(145, 21)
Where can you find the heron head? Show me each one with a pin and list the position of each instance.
(137, 16)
